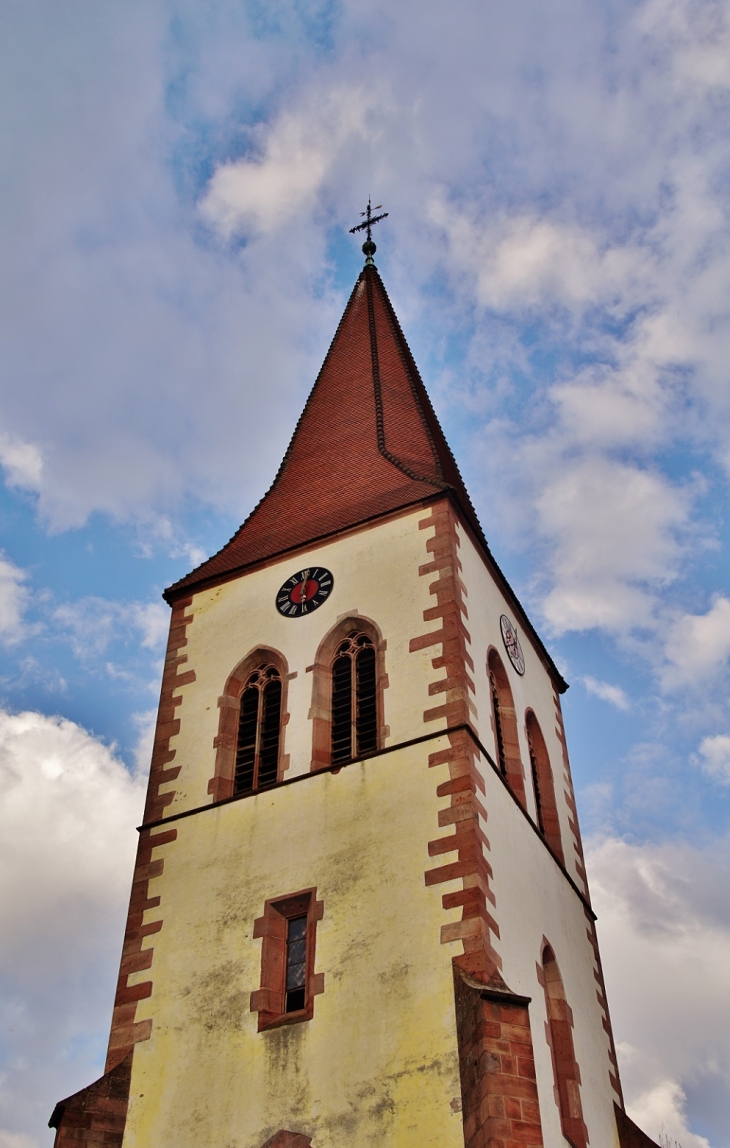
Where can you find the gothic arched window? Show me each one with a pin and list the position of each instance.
(546, 809)
(259, 725)
(354, 698)
(505, 726)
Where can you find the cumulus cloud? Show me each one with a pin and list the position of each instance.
(614, 534)
(714, 757)
(614, 695)
(67, 839)
(295, 155)
(527, 261)
(22, 463)
(664, 931)
(697, 645)
(663, 1109)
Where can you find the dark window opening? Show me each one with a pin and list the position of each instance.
(354, 699)
(536, 784)
(257, 754)
(499, 732)
(296, 964)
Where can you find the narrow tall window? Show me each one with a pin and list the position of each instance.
(546, 810)
(257, 752)
(498, 731)
(536, 783)
(354, 699)
(506, 738)
(289, 983)
(296, 963)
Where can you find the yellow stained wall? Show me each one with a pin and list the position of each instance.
(378, 1062)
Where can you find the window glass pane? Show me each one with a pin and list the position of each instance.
(296, 963)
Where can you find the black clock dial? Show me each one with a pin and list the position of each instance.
(304, 592)
(512, 644)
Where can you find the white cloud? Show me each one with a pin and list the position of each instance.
(662, 1108)
(296, 154)
(699, 38)
(67, 820)
(664, 930)
(152, 619)
(614, 695)
(716, 754)
(22, 463)
(68, 811)
(612, 529)
(697, 645)
(92, 624)
(529, 261)
(145, 723)
(14, 598)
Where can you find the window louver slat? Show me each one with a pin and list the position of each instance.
(367, 718)
(342, 709)
(246, 755)
(270, 723)
(259, 726)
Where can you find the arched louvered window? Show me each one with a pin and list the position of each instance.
(536, 780)
(354, 699)
(498, 722)
(259, 725)
(505, 727)
(546, 810)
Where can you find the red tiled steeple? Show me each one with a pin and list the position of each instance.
(368, 442)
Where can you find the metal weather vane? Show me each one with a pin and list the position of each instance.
(368, 222)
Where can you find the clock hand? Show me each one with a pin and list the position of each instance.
(305, 579)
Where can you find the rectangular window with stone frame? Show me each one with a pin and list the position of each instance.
(289, 983)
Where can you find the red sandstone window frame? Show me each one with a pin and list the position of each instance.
(548, 821)
(509, 758)
(559, 1034)
(221, 784)
(269, 1000)
(320, 712)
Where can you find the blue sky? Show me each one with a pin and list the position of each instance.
(178, 183)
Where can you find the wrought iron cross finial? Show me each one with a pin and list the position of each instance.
(369, 221)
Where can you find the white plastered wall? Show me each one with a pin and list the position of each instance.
(534, 900)
(534, 689)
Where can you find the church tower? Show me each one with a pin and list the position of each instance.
(359, 912)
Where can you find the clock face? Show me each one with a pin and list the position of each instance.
(512, 644)
(304, 592)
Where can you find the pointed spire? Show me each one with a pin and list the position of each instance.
(368, 442)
